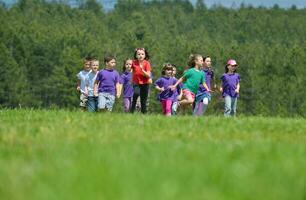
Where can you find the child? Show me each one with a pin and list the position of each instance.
(193, 77)
(126, 78)
(141, 78)
(162, 84)
(108, 83)
(230, 87)
(81, 83)
(203, 96)
(177, 93)
(92, 102)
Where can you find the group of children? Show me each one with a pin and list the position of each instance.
(98, 89)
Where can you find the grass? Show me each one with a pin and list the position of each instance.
(72, 155)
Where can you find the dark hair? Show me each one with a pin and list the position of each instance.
(166, 66)
(192, 58)
(108, 58)
(124, 62)
(147, 56)
(204, 57)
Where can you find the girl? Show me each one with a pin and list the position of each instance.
(230, 86)
(92, 102)
(162, 84)
(141, 78)
(193, 77)
(203, 96)
(107, 84)
(126, 78)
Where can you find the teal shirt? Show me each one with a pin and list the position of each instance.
(193, 78)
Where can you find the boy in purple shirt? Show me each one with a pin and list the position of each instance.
(108, 84)
(126, 79)
(166, 95)
(230, 87)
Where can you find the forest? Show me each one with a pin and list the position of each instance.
(43, 45)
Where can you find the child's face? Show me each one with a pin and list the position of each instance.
(174, 71)
(87, 65)
(199, 61)
(128, 65)
(207, 62)
(168, 72)
(95, 66)
(140, 54)
(231, 68)
(111, 64)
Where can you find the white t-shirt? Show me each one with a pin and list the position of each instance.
(82, 76)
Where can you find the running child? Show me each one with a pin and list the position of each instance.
(162, 84)
(107, 85)
(193, 77)
(230, 86)
(141, 78)
(81, 83)
(126, 78)
(92, 102)
(177, 93)
(203, 96)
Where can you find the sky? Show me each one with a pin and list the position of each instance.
(109, 4)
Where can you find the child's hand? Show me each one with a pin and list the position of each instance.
(78, 88)
(237, 91)
(162, 89)
(172, 87)
(95, 93)
(221, 90)
(118, 95)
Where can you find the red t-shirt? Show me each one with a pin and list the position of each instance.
(138, 76)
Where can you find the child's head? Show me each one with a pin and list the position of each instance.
(127, 64)
(207, 61)
(173, 70)
(195, 60)
(231, 66)
(87, 63)
(110, 61)
(95, 65)
(141, 54)
(167, 69)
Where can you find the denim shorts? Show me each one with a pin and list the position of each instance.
(106, 101)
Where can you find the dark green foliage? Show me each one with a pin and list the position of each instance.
(42, 46)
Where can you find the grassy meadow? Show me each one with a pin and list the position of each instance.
(73, 155)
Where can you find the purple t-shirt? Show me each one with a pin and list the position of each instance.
(128, 90)
(209, 75)
(107, 80)
(165, 82)
(229, 84)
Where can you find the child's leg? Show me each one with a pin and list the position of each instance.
(135, 97)
(83, 102)
(174, 108)
(163, 104)
(168, 107)
(126, 104)
(234, 106)
(102, 101)
(188, 98)
(144, 91)
(91, 107)
(227, 106)
(205, 104)
(110, 100)
(198, 108)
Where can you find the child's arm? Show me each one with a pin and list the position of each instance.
(160, 89)
(238, 88)
(118, 89)
(179, 97)
(145, 73)
(173, 87)
(221, 88)
(96, 88)
(78, 85)
(206, 87)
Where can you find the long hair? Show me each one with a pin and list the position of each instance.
(192, 59)
(147, 56)
(124, 62)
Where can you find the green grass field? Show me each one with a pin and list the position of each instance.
(74, 155)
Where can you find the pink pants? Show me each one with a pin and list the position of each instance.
(166, 106)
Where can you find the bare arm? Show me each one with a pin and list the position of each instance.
(118, 89)
(238, 88)
(96, 88)
(173, 87)
(78, 85)
(160, 89)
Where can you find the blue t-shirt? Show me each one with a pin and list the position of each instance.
(89, 82)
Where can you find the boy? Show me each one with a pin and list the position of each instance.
(81, 83)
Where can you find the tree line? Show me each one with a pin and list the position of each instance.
(43, 44)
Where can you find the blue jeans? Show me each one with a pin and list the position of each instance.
(106, 101)
(92, 104)
(230, 106)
